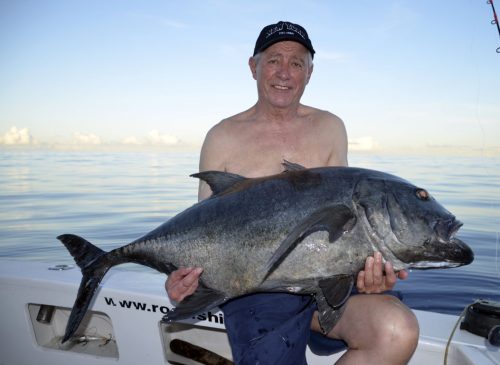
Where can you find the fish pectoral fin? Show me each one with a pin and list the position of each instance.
(219, 181)
(330, 298)
(201, 300)
(336, 220)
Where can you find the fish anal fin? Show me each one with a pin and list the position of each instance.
(336, 220)
(201, 300)
(337, 289)
(219, 181)
(330, 298)
(327, 316)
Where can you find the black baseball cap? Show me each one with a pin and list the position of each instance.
(282, 31)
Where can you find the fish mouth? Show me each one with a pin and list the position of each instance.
(458, 252)
(447, 250)
(465, 252)
(427, 265)
(453, 253)
(445, 229)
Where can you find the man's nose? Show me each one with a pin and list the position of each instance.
(284, 71)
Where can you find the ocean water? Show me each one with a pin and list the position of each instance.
(111, 198)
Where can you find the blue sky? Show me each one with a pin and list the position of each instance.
(401, 74)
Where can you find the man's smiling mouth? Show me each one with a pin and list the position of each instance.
(279, 87)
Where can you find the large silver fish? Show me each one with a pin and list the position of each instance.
(305, 231)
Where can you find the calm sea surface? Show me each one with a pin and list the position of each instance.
(112, 198)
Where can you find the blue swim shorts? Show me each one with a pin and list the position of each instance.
(274, 328)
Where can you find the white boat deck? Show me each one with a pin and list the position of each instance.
(124, 324)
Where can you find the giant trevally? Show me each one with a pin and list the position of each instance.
(306, 231)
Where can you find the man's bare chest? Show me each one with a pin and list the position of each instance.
(265, 156)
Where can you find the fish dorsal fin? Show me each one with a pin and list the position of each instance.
(291, 166)
(219, 181)
(330, 298)
(335, 219)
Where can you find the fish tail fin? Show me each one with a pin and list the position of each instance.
(94, 264)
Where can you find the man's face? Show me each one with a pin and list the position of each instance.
(282, 72)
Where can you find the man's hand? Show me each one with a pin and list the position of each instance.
(182, 283)
(373, 279)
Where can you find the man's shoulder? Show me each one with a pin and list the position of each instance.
(222, 140)
(319, 113)
(227, 129)
(237, 118)
(230, 125)
(322, 118)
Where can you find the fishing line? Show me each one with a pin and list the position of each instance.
(483, 134)
(498, 268)
(495, 19)
(451, 336)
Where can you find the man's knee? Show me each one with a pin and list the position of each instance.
(399, 326)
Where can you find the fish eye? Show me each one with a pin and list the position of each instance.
(422, 194)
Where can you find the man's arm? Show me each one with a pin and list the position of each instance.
(184, 281)
(376, 277)
(337, 140)
(211, 157)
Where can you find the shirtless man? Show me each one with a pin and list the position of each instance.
(378, 329)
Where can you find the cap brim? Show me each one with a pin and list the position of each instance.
(282, 39)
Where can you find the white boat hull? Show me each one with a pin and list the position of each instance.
(124, 324)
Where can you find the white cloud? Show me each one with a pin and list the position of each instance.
(362, 144)
(131, 141)
(86, 139)
(155, 138)
(22, 136)
(17, 137)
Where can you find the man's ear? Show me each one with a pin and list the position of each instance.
(310, 73)
(253, 67)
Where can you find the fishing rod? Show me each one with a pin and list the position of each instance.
(495, 19)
